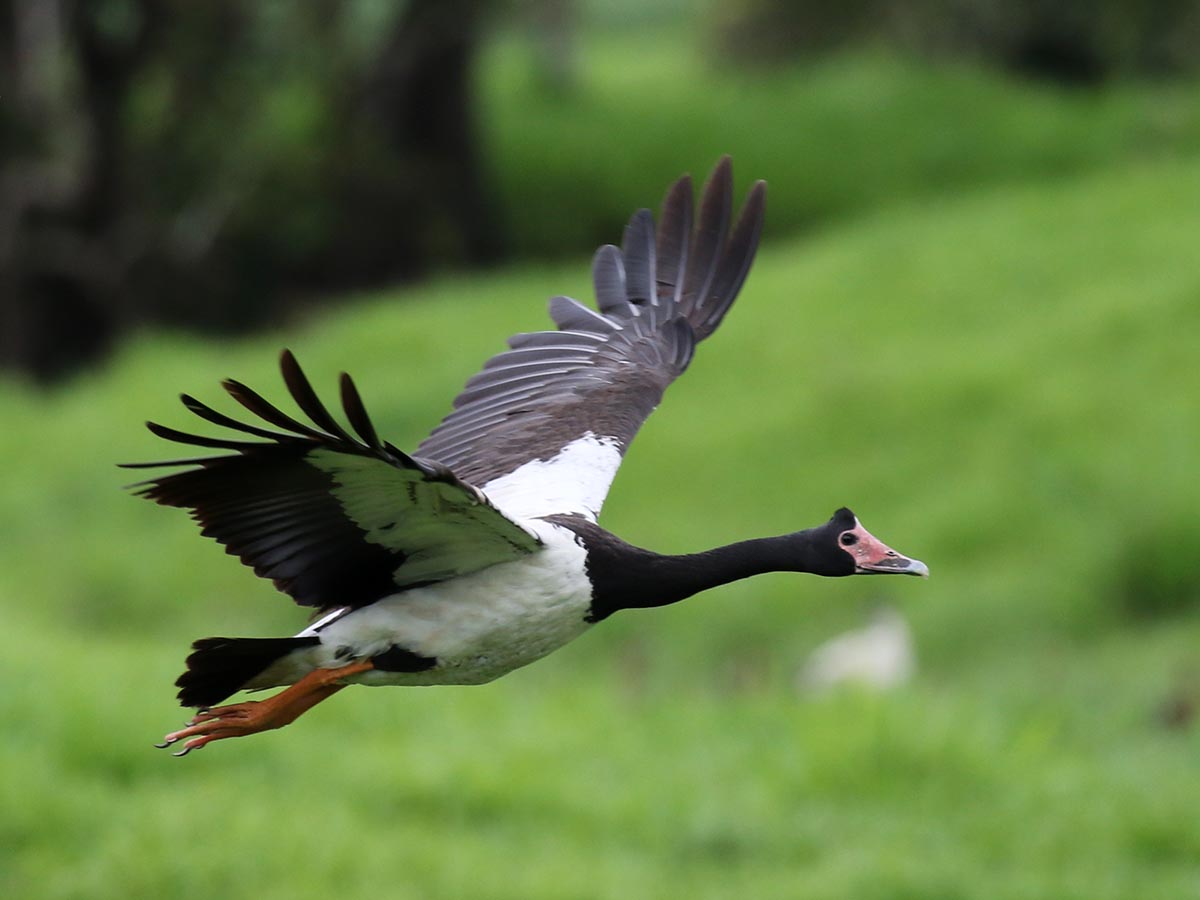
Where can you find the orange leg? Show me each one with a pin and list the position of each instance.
(253, 716)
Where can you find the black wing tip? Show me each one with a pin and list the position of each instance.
(328, 431)
(289, 363)
(356, 412)
(294, 378)
(161, 431)
(749, 225)
(679, 193)
(194, 406)
(683, 182)
(719, 174)
(720, 179)
(756, 199)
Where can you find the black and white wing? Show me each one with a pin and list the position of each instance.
(335, 520)
(543, 427)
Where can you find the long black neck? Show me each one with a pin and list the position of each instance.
(627, 577)
(679, 577)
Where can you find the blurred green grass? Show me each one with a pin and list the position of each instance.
(1000, 383)
(836, 136)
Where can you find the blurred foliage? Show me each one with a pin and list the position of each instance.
(762, 31)
(1159, 576)
(212, 164)
(1075, 42)
(834, 138)
(223, 165)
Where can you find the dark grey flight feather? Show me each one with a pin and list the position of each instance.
(604, 372)
(332, 519)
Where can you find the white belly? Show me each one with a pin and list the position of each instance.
(479, 626)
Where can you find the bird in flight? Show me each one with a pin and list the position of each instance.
(480, 552)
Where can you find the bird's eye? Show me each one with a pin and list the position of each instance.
(849, 539)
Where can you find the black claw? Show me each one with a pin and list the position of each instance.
(184, 752)
(203, 709)
(166, 743)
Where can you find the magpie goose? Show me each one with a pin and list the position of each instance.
(480, 551)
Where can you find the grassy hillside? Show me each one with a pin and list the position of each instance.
(1002, 386)
(835, 137)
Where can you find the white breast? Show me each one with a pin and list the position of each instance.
(477, 626)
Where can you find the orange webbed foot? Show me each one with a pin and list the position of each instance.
(253, 716)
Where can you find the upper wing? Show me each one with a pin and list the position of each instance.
(332, 519)
(543, 427)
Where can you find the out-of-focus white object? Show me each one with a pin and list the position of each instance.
(880, 655)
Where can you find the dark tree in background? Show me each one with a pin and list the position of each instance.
(62, 260)
(212, 164)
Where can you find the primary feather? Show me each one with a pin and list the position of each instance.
(331, 519)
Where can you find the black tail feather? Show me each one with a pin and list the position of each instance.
(220, 666)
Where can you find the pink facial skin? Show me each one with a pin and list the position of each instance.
(873, 557)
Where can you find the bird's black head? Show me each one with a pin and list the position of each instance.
(844, 547)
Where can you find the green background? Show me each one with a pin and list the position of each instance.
(987, 348)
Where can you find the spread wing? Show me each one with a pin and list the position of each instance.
(543, 427)
(334, 519)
